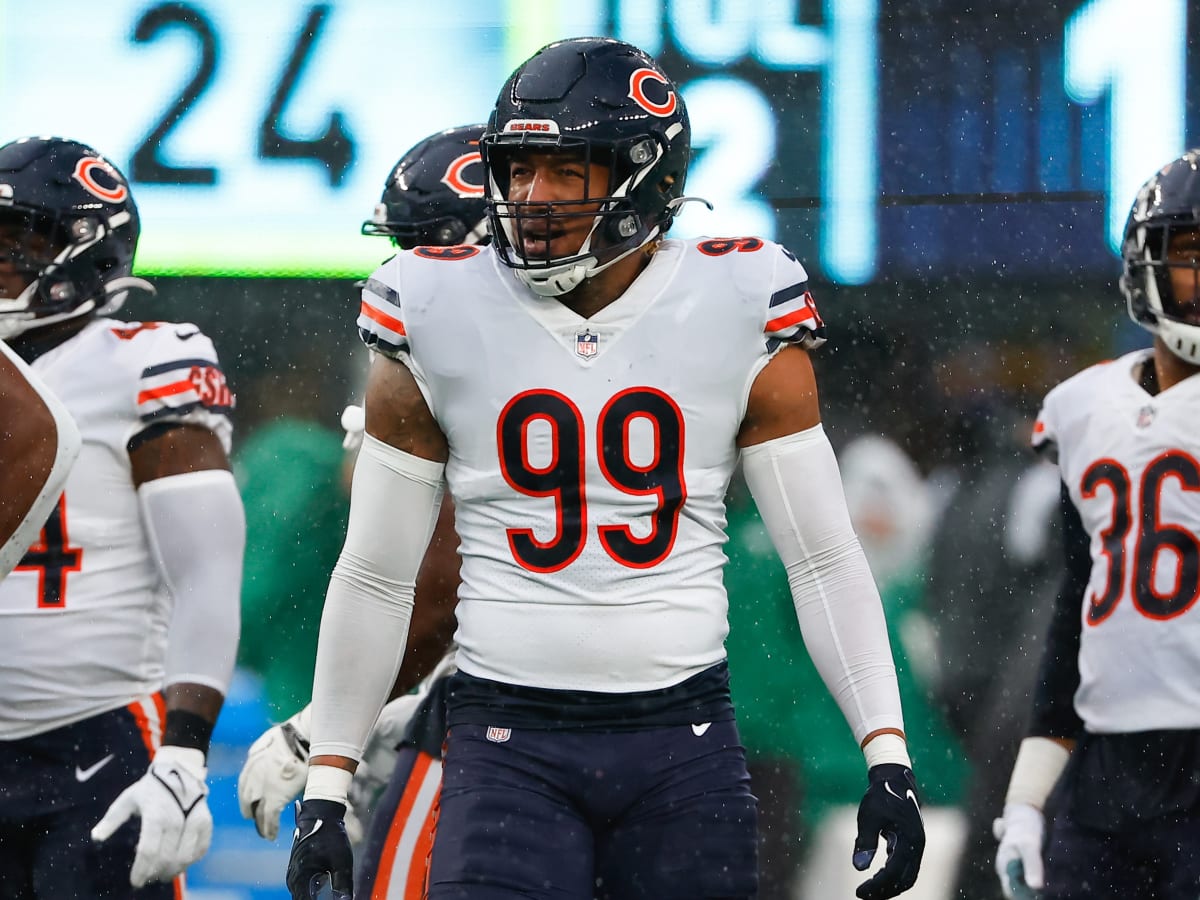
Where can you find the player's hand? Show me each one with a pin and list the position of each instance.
(176, 824)
(1019, 857)
(321, 859)
(889, 808)
(274, 773)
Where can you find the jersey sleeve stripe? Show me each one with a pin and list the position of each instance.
(181, 412)
(391, 323)
(382, 291)
(799, 289)
(175, 364)
(166, 390)
(787, 320)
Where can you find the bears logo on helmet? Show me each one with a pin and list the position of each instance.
(85, 174)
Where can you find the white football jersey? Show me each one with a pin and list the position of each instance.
(1131, 462)
(589, 458)
(85, 611)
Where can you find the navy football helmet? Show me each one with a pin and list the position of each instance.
(612, 104)
(434, 195)
(1166, 204)
(69, 226)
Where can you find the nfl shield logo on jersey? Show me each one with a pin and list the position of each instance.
(587, 344)
(1145, 416)
(498, 735)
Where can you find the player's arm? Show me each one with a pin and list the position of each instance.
(1044, 752)
(38, 443)
(395, 500)
(195, 524)
(793, 475)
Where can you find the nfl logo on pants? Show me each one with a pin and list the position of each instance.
(498, 735)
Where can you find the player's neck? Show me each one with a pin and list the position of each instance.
(604, 288)
(1169, 368)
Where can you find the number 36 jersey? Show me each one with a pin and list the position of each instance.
(84, 616)
(1131, 463)
(589, 458)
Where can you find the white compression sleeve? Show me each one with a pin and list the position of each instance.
(197, 531)
(68, 445)
(394, 504)
(798, 489)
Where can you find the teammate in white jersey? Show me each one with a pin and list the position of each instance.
(1114, 746)
(432, 197)
(38, 443)
(585, 388)
(121, 619)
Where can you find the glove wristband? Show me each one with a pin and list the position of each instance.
(1039, 762)
(887, 748)
(189, 759)
(328, 783)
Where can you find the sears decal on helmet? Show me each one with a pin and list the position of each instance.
(1166, 204)
(611, 104)
(73, 230)
(434, 194)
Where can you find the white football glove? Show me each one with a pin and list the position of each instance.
(1019, 858)
(274, 774)
(176, 824)
(354, 423)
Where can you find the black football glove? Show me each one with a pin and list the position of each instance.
(321, 864)
(889, 808)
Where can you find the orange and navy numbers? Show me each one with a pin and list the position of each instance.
(380, 321)
(53, 558)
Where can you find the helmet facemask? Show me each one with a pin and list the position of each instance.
(618, 226)
(1157, 287)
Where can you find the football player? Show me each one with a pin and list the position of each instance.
(432, 197)
(122, 616)
(585, 387)
(38, 443)
(1114, 744)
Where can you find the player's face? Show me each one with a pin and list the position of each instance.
(1183, 263)
(21, 249)
(554, 178)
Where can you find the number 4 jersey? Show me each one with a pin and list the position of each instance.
(1131, 463)
(84, 615)
(589, 458)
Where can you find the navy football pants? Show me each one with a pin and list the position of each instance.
(54, 787)
(1158, 860)
(659, 814)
